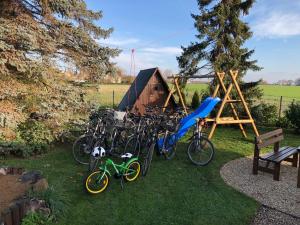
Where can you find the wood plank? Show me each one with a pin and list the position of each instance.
(281, 155)
(269, 134)
(263, 157)
(269, 142)
(233, 101)
(6, 216)
(15, 214)
(220, 121)
(288, 153)
(265, 169)
(234, 75)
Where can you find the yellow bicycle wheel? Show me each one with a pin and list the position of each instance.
(96, 182)
(133, 171)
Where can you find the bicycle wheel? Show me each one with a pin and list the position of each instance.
(133, 171)
(96, 182)
(133, 146)
(82, 148)
(169, 148)
(201, 151)
(147, 160)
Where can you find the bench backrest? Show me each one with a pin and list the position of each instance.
(273, 137)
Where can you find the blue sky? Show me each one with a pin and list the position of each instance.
(157, 28)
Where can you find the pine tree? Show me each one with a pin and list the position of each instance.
(195, 100)
(36, 34)
(220, 39)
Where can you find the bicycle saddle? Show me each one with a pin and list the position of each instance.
(126, 155)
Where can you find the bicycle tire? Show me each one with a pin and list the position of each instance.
(194, 149)
(171, 150)
(148, 160)
(82, 148)
(133, 146)
(104, 181)
(137, 170)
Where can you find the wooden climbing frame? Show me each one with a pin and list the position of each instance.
(218, 120)
(175, 89)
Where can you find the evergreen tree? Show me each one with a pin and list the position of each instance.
(220, 39)
(36, 34)
(195, 100)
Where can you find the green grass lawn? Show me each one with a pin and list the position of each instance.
(174, 192)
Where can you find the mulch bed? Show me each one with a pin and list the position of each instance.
(11, 189)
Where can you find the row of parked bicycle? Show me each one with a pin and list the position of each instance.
(125, 143)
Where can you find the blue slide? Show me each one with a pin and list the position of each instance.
(185, 123)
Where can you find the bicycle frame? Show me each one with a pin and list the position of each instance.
(120, 169)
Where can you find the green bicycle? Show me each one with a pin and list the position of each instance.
(97, 181)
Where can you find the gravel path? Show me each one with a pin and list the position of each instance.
(282, 195)
(268, 216)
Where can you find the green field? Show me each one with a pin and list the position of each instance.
(285, 91)
(103, 94)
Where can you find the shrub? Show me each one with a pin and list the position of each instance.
(35, 137)
(36, 218)
(283, 122)
(55, 201)
(265, 114)
(195, 100)
(293, 115)
(35, 132)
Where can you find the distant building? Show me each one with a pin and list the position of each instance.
(285, 82)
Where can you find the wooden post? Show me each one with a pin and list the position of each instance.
(255, 158)
(227, 99)
(280, 107)
(180, 96)
(276, 171)
(233, 75)
(6, 216)
(298, 182)
(175, 89)
(221, 77)
(113, 99)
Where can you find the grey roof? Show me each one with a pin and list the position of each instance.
(137, 87)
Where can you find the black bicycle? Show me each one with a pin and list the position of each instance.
(200, 150)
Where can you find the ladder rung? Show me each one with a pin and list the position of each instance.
(233, 101)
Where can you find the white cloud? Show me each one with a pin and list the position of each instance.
(277, 24)
(146, 56)
(119, 42)
(163, 57)
(164, 50)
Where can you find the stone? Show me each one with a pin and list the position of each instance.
(32, 176)
(40, 185)
(3, 171)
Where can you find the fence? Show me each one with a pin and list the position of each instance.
(281, 102)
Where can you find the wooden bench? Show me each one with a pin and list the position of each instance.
(276, 157)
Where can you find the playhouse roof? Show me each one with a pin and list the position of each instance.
(138, 86)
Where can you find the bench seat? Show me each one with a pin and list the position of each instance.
(278, 154)
(282, 154)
